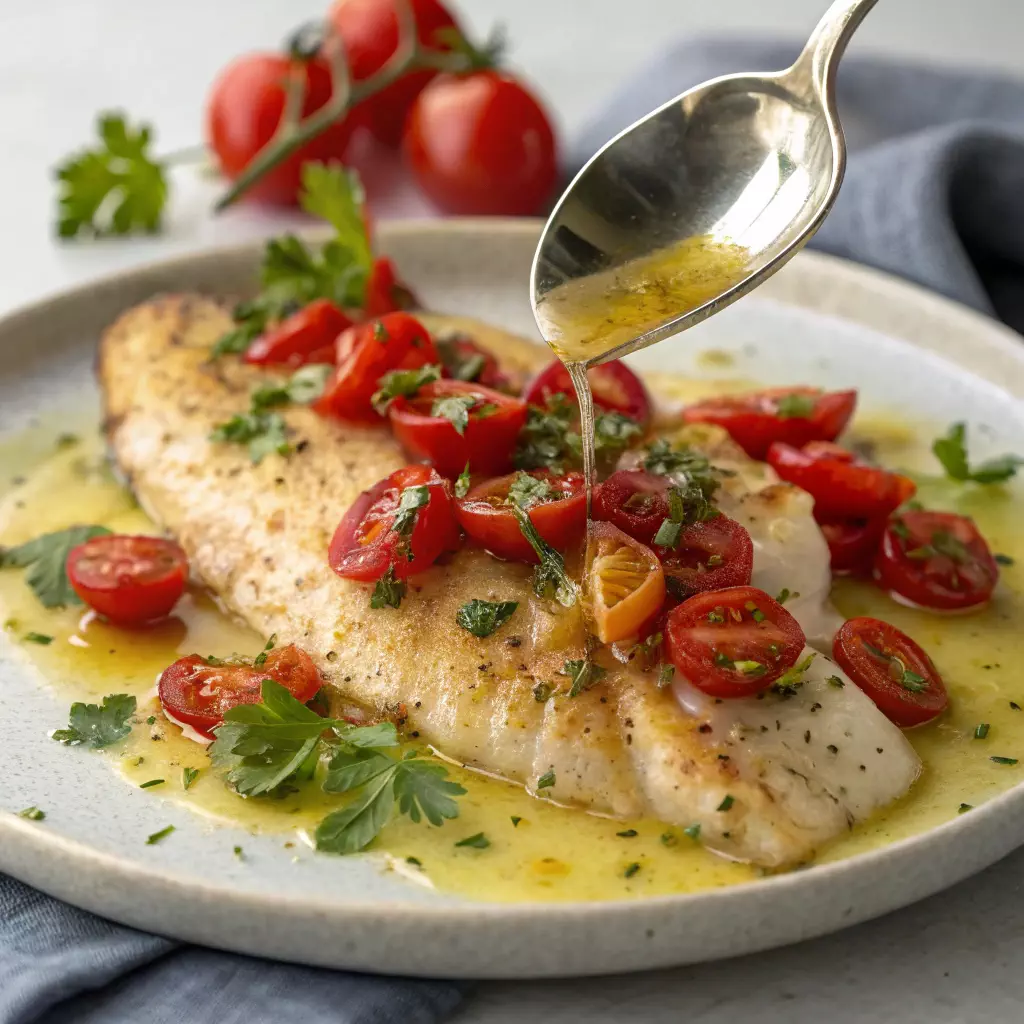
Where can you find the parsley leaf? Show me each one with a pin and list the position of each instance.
(335, 194)
(613, 432)
(410, 502)
(116, 188)
(951, 451)
(527, 491)
(98, 725)
(45, 557)
(549, 578)
(584, 674)
(455, 409)
(402, 384)
(796, 406)
(547, 440)
(304, 386)
(388, 591)
(477, 842)
(482, 618)
(263, 433)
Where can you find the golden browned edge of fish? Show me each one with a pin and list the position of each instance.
(257, 536)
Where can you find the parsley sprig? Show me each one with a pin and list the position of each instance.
(549, 578)
(98, 725)
(45, 558)
(482, 618)
(951, 451)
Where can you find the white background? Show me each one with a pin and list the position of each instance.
(948, 960)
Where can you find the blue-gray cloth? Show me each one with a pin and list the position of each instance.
(934, 189)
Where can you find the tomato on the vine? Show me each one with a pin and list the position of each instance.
(244, 110)
(198, 693)
(379, 533)
(616, 388)
(452, 423)
(309, 333)
(369, 30)
(480, 143)
(558, 510)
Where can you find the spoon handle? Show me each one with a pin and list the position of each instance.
(815, 69)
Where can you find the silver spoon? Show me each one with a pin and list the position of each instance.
(756, 159)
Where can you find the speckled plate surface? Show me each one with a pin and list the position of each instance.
(819, 320)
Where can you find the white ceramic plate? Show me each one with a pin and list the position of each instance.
(820, 320)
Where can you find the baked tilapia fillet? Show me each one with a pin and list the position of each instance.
(799, 769)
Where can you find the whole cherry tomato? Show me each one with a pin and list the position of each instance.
(244, 110)
(293, 342)
(616, 388)
(369, 30)
(129, 580)
(480, 143)
(197, 693)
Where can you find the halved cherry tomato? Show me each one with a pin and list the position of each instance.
(245, 108)
(365, 353)
(129, 580)
(635, 501)
(712, 555)
(384, 292)
(936, 560)
(463, 359)
(615, 386)
(794, 416)
(366, 544)
(852, 543)
(369, 30)
(313, 329)
(625, 583)
(560, 518)
(892, 670)
(486, 440)
(197, 693)
(734, 642)
(843, 487)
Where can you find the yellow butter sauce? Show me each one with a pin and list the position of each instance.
(552, 853)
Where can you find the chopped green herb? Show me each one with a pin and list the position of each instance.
(614, 432)
(835, 682)
(793, 678)
(693, 831)
(414, 861)
(455, 409)
(668, 838)
(796, 406)
(482, 618)
(750, 668)
(1004, 760)
(785, 594)
(43, 639)
(45, 558)
(727, 802)
(98, 725)
(629, 833)
(380, 333)
(410, 502)
(152, 783)
(668, 534)
(157, 836)
(403, 384)
(547, 440)
(477, 842)
(981, 730)
(188, 776)
(1014, 706)
(666, 675)
(527, 491)
(964, 807)
(583, 674)
(260, 660)
(66, 440)
(542, 692)
(515, 821)
(1003, 559)
(462, 484)
(631, 870)
(549, 578)
(238, 852)
(264, 433)
(388, 591)
(461, 364)
(32, 814)
(547, 780)
(151, 720)
(305, 386)
(951, 451)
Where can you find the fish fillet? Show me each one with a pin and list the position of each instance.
(258, 536)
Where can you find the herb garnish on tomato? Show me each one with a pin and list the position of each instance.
(951, 451)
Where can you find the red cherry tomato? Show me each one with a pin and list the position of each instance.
(843, 487)
(312, 330)
(734, 642)
(486, 441)
(369, 29)
(365, 353)
(615, 386)
(936, 560)
(198, 694)
(463, 359)
(560, 518)
(892, 670)
(795, 416)
(129, 580)
(480, 143)
(712, 555)
(365, 544)
(244, 110)
(635, 501)
(384, 292)
(852, 543)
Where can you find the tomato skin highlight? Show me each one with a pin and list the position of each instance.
(128, 580)
(364, 545)
(369, 30)
(936, 560)
(712, 632)
(291, 343)
(365, 353)
(843, 487)
(482, 144)
(197, 693)
(488, 520)
(754, 423)
(245, 107)
(487, 442)
(720, 540)
(616, 388)
(878, 675)
(852, 544)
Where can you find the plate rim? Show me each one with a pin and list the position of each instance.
(29, 851)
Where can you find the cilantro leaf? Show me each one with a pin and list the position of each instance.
(951, 451)
(549, 578)
(584, 674)
(403, 384)
(263, 432)
(482, 618)
(46, 557)
(116, 188)
(455, 409)
(98, 725)
(388, 591)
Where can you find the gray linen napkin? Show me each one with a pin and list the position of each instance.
(60, 965)
(934, 189)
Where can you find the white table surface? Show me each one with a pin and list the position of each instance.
(954, 958)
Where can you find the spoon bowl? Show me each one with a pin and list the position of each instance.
(752, 162)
